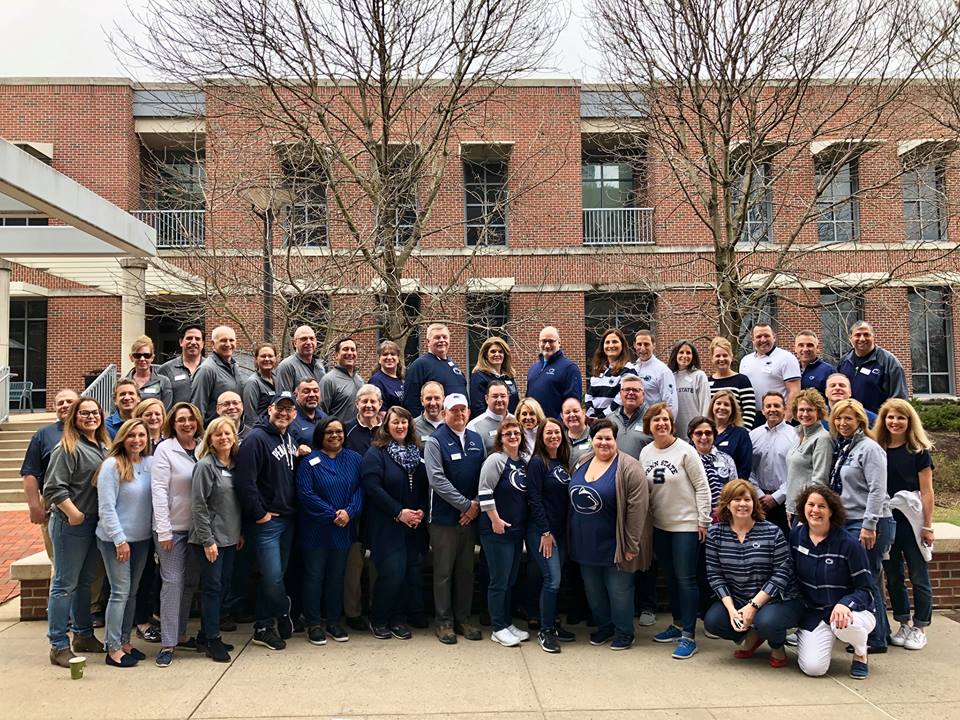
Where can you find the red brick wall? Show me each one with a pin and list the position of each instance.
(84, 335)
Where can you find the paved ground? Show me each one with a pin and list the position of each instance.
(18, 538)
(366, 678)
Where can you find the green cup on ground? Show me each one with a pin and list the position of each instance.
(76, 667)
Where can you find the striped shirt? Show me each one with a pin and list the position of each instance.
(603, 392)
(326, 485)
(833, 572)
(720, 469)
(742, 569)
(742, 387)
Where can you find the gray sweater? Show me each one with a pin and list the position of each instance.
(70, 476)
(693, 398)
(808, 461)
(213, 377)
(486, 426)
(631, 438)
(338, 393)
(424, 428)
(216, 508)
(180, 378)
(292, 369)
(864, 478)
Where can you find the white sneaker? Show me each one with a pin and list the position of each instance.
(900, 638)
(917, 640)
(521, 635)
(505, 637)
(791, 640)
(647, 619)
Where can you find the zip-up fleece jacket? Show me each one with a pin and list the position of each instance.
(213, 377)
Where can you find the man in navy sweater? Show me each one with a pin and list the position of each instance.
(432, 365)
(267, 490)
(553, 377)
(875, 374)
(814, 370)
(453, 456)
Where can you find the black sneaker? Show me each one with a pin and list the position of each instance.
(564, 635)
(217, 651)
(316, 635)
(548, 641)
(189, 644)
(268, 638)
(400, 631)
(299, 625)
(284, 623)
(164, 657)
(358, 623)
(381, 632)
(202, 644)
(337, 633)
(601, 636)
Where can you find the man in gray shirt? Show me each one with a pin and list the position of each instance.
(498, 397)
(629, 418)
(180, 369)
(217, 374)
(338, 388)
(302, 363)
(431, 397)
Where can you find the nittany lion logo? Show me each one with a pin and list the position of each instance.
(518, 478)
(561, 475)
(586, 500)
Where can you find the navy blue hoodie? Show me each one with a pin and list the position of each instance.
(264, 477)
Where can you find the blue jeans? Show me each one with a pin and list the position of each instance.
(503, 560)
(610, 594)
(771, 622)
(886, 529)
(124, 580)
(677, 554)
(323, 571)
(214, 580)
(550, 571)
(75, 568)
(399, 576)
(273, 540)
(905, 548)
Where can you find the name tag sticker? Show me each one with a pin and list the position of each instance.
(802, 550)
(638, 428)
(864, 371)
(456, 456)
(180, 377)
(424, 438)
(226, 473)
(725, 442)
(149, 391)
(492, 433)
(314, 461)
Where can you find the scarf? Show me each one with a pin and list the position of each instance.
(406, 456)
(841, 451)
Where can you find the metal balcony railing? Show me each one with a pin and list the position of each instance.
(175, 228)
(617, 226)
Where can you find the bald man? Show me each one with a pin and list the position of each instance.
(217, 374)
(553, 377)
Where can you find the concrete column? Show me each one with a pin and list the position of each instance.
(5, 266)
(133, 294)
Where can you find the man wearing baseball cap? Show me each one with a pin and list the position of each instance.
(453, 456)
(265, 484)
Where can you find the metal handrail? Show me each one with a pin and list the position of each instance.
(4, 394)
(101, 389)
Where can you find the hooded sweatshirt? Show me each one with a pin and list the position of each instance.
(264, 477)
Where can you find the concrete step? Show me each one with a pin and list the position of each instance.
(11, 484)
(13, 443)
(23, 435)
(13, 453)
(12, 496)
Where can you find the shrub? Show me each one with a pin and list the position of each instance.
(943, 417)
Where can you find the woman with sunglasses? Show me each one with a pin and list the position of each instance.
(148, 380)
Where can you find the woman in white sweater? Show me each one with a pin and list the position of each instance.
(172, 484)
(680, 504)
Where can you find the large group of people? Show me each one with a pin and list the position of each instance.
(773, 499)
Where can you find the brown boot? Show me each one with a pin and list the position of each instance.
(470, 632)
(87, 644)
(61, 657)
(446, 635)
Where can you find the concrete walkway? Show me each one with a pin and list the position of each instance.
(367, 678)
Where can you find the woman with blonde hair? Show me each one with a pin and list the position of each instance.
(70, 492)
(123, 490)
(732, 437)
(389, 374)
(810, 460)
(610, 362)
(531, 416)
(215, 527)
(859, 477)
(154, 415)
(899, 431)
(725, 377)
(148, 380)
(494, 362)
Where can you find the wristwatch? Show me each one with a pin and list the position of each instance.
(754, 605)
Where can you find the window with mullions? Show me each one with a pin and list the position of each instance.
(487, 314)
(305, 223)
(838, 210)
(758, 221)
(485, 201)
(629, 311)
(28, 345)
(24, 221)
(931, 340)
(924, 199)
(838, 311)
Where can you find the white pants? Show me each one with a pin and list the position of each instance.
(815, 646)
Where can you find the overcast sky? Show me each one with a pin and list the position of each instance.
(67, 38)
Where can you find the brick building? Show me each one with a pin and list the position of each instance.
(574, 236)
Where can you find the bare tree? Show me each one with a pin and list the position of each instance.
(732, 97)
(351, 117)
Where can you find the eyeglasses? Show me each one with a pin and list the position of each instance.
(142, 356)
(630, 391)
(184, 420)
(512, 433)
(88, 413)
(703, 433)
(548, 342)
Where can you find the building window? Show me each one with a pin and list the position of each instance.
(28, 346)
(762, 312)
(411, 308)
(487, 314)
(923, 203)
(838, 209)
(838, 311)
(165, 317)
(309, 308)
(931, 340)
(24, 221)
(629, 311)
(399, 189)
(485, 201)
(758, 220)
(305, 224)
